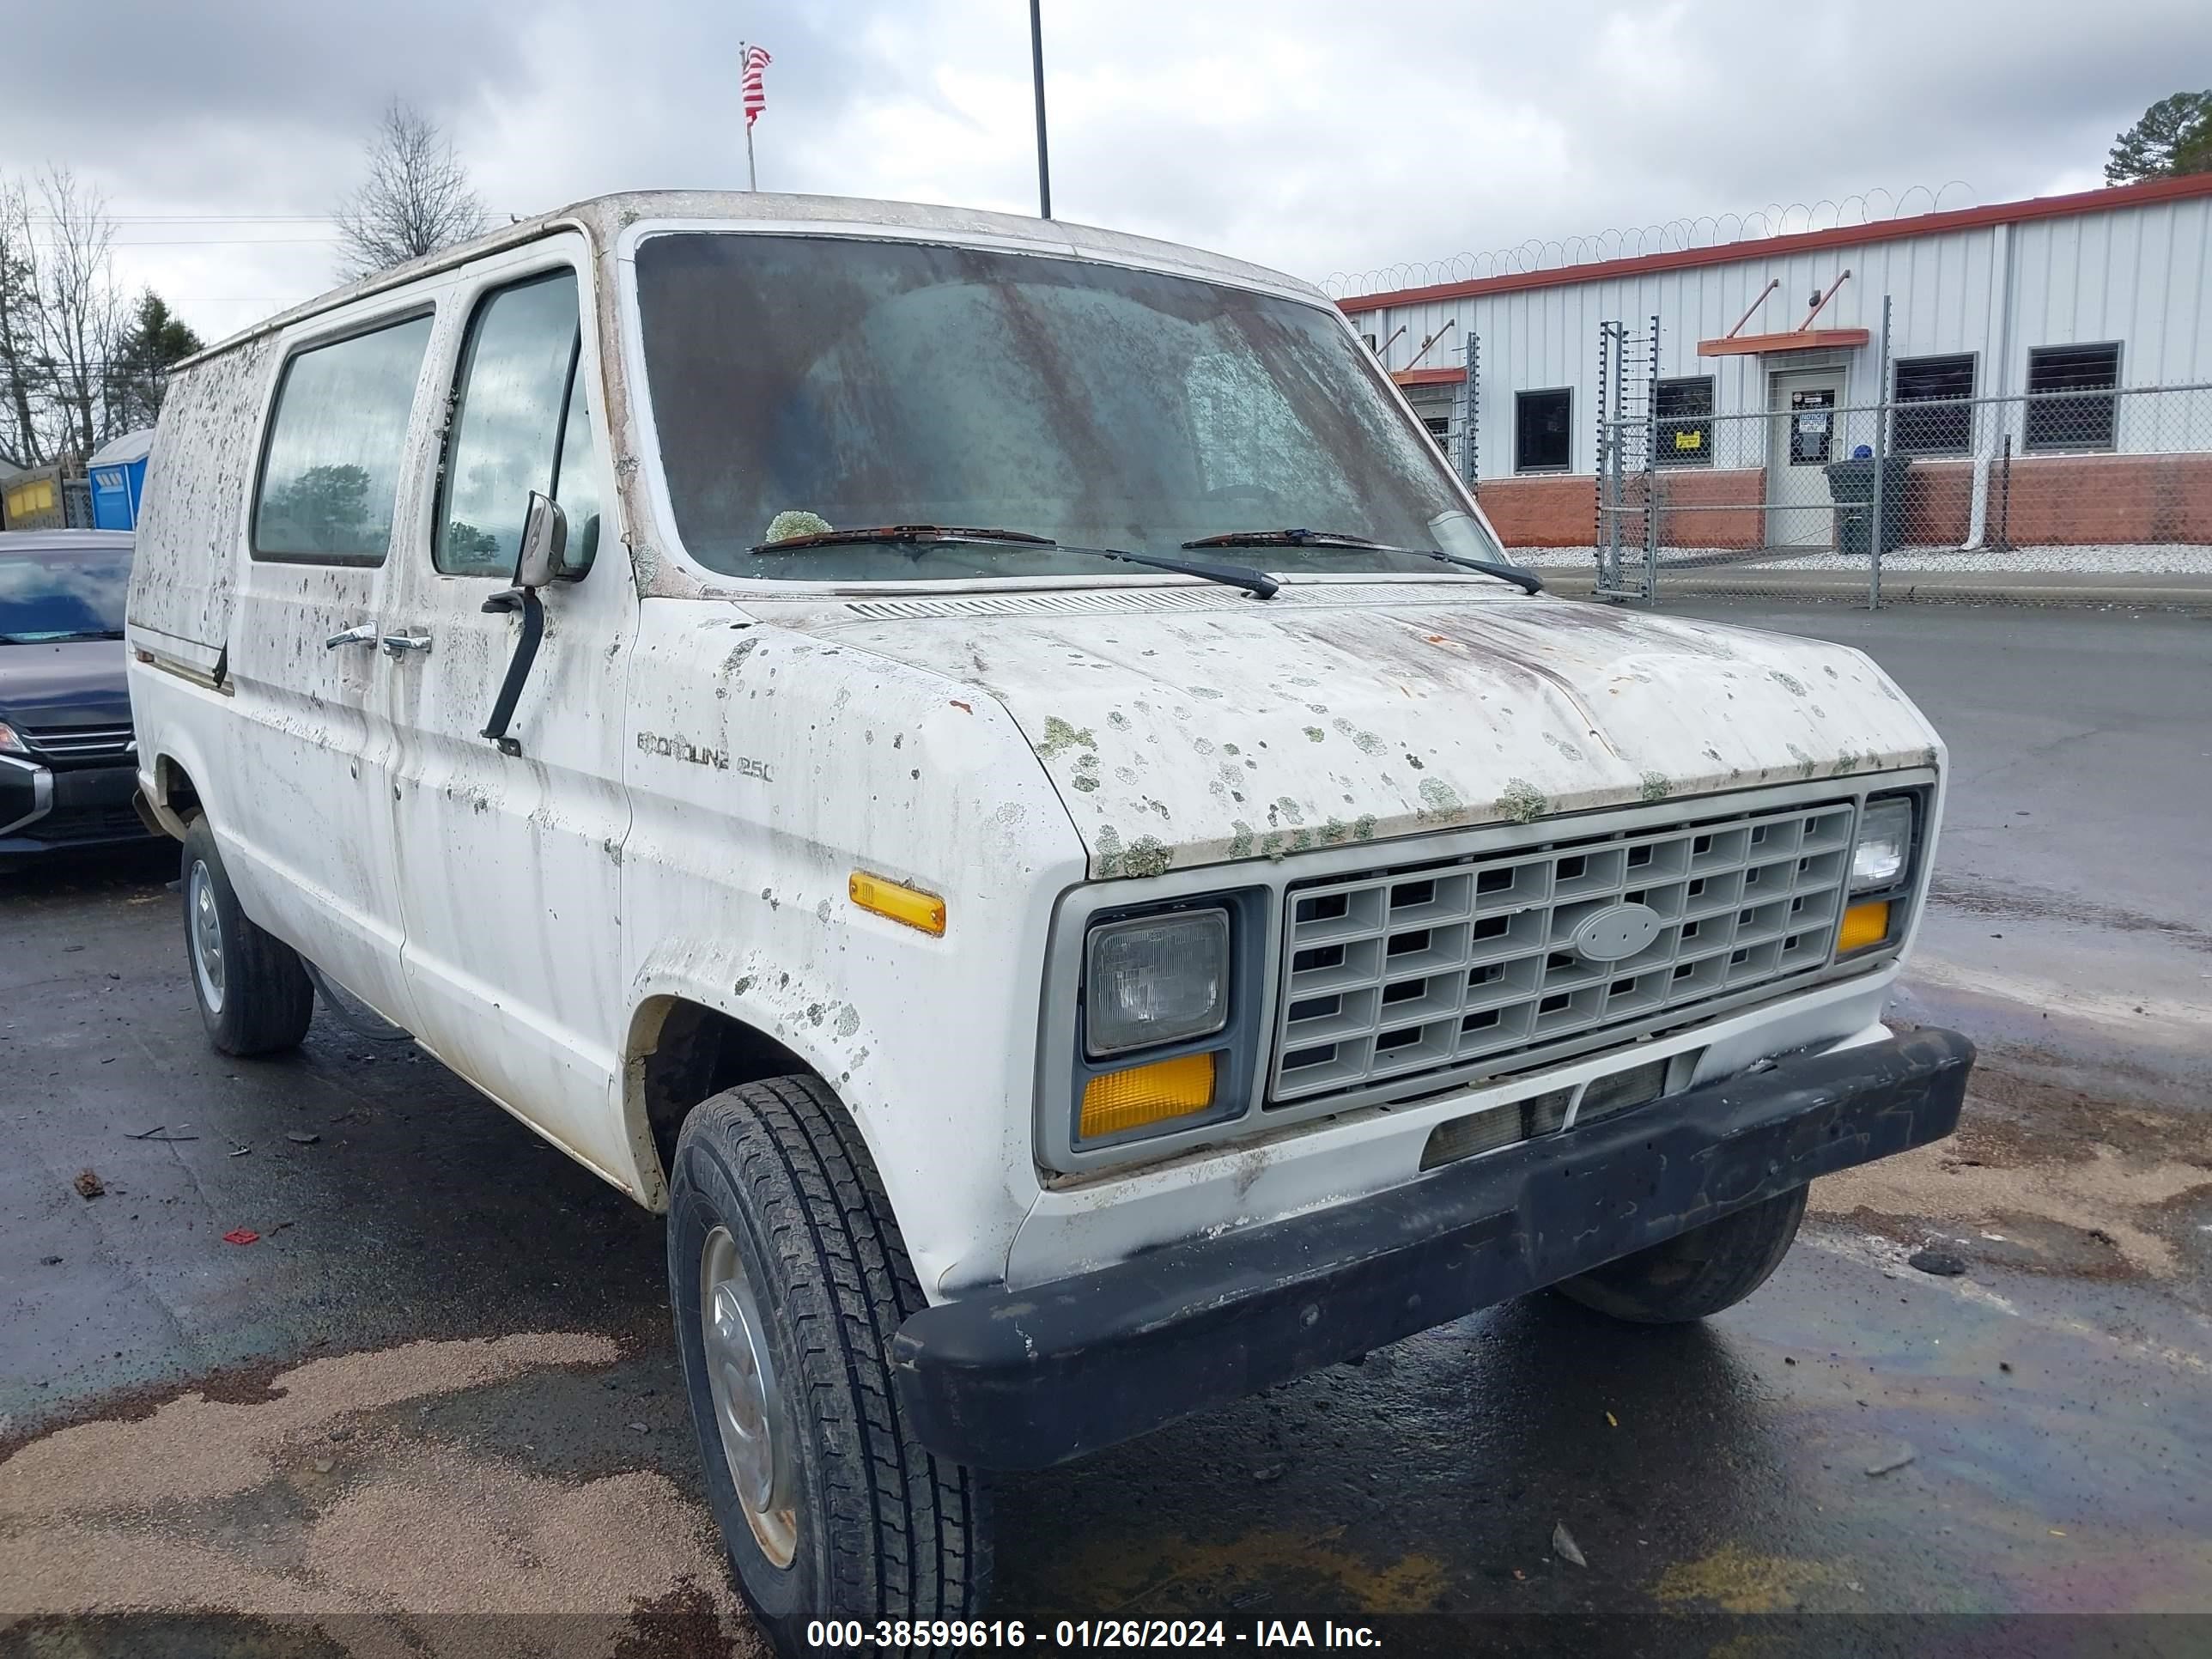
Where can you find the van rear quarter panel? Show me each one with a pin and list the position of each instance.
(185, 574)
(765, 768)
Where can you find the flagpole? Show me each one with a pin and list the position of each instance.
(752, 178)
(1037, 74)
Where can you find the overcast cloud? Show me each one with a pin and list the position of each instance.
(1318, 137)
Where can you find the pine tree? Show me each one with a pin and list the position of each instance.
(156, 342)
(2174, 136)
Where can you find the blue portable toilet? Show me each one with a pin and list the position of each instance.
(119, 479)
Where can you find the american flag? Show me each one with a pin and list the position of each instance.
(757, 59)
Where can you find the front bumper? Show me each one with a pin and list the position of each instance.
(46, 809)
(1023, 1379)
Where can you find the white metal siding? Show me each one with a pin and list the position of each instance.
(2137, 274)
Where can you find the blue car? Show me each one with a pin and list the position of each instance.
(69, 763)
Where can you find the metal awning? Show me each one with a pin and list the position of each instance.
(1800, 339)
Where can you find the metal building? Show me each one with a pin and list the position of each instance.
(2034, 319)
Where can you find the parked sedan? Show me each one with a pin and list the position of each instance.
(68, 762)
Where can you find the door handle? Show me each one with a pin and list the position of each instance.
(398, 645)
(359, 634)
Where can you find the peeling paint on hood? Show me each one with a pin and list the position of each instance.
(1184, 736)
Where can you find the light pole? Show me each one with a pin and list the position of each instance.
(1037, 74)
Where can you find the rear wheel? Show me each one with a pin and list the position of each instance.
(1697, 1273)
(254, 995)
(787, 1278)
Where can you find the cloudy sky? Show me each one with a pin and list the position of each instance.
(1320, 137)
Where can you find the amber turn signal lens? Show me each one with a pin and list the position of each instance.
(907, 904)
(1143, 1095)
(1863, 925)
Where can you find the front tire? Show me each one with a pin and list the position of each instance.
(1697, 1273)
(254, 995)
(787, 1278)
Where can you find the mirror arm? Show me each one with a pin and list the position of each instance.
(518, 670)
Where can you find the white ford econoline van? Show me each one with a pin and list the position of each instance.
(991, 771)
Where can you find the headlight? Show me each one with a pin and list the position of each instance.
(9, 743)
(1885, 843)
(1152, 980)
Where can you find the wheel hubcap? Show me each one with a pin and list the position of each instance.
(206, 927)
(749, 1408)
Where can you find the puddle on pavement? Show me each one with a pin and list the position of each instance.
(327, 1498)
(2051, 1172)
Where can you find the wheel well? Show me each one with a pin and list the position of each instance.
(687, 1052)
(175, 789)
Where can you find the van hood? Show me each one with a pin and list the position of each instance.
(1183, 729)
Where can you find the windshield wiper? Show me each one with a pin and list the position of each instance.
(1520, 575)
(1256, 582)
(911, 534)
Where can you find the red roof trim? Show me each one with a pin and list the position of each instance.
(1428, 376)
(2110, 199)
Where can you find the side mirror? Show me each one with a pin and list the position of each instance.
(539, 563)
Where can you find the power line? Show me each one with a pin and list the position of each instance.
(199, 218)
(208, 241)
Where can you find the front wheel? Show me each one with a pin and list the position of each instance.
(254, 994)
(787, 1278)
(1697, 1273)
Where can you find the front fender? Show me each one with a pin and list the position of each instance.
(764, 770)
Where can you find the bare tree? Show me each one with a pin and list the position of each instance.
(416, 199)
(22, 382)
(82, 313)
(61, 319)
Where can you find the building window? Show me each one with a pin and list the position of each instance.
(1370, 340)
(1541, 440)
(1946, 430)
(1685, 408)
(2070, 402)
(1439, 427)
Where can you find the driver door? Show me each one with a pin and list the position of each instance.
(508, 861)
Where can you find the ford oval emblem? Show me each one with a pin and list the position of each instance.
(1616, 933)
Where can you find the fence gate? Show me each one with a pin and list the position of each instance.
(1627, 476)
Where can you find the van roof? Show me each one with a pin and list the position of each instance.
(602, 219)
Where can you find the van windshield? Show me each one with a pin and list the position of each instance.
(807, 384)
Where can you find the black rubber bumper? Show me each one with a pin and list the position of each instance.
(1023, 1379)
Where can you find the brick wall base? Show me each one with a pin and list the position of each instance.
(2067, 500)
(1554, 511)
(2043, 500)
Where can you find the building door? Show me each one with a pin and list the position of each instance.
(1803, 437)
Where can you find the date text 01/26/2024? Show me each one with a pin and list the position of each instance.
(832, 1634)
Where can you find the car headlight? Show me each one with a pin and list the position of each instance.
(1154, 979)
(1885, 843)
(9, 743)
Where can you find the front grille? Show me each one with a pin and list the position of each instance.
(81, 742)
(1390, 977)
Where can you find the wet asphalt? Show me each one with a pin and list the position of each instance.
(2054, 1414)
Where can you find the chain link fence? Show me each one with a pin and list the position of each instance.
(2096, 492)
